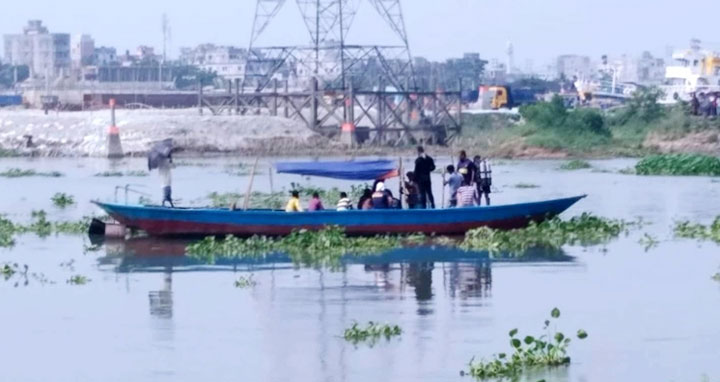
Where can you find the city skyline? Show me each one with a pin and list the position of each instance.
(483, 27)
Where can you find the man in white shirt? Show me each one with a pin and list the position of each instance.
(164, 168)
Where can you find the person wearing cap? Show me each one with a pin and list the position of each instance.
(293, 205)
(424, 166)
(380, 197)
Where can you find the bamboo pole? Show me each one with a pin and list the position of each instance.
(270, 175)
(250, 185)
(400, 176)
(443, 188)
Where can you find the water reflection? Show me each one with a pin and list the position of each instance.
(465, 275)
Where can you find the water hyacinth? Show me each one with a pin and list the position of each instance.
(323, 248)
(41, 226)
(585, 229)
(679, 164)
(62, 200)
(20, 173)
(575, 164)
(689, 230)
(371, 333)
(546, 350)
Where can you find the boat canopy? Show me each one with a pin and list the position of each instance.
(348, 170)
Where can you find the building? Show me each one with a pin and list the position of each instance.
(82, 49)
(104, 56)
(226, 61)
(46, 54)
(573, 66)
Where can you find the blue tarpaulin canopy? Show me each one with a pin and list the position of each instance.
(354, 170)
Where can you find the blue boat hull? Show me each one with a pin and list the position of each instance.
(161, 221)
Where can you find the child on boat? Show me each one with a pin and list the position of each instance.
(293, 205)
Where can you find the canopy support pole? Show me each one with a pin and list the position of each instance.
(250, 185)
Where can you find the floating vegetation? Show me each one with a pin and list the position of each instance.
(549, 349)
(111, 174)
(716, 276)
(78, 280)
(41, 226)
(371, 333)
(585, 229)
(20, 173)
(575, 164)
(21, 274)
(62, 200)
(628, 171)
(648, 241)
(323, 248)
(245, 282)
(679, 164)
(689, 230)
(276, 200)
(526, 185)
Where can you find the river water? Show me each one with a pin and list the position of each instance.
(148, 314)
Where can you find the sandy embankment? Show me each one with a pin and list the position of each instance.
(85, 133)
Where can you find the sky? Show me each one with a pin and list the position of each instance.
(437, 29)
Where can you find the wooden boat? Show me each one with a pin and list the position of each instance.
(162, 221)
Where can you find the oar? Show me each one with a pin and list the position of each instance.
(250, 185)
(400, 176)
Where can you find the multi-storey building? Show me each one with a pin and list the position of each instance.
(46, 54)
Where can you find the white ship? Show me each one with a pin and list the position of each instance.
(693, 70)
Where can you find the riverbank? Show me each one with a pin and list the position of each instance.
(499, 135)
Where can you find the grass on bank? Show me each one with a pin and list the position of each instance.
(552, 127)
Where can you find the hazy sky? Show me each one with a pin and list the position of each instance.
(539, 30)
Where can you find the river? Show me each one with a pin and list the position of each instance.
(146, 315)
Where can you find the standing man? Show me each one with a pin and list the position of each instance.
(466, 167)
(483, 178)
(164, 167)
(424, 166)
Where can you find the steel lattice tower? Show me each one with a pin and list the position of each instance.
(328, 23)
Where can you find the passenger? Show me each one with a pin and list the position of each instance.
(695, 104)
(344, 203)
(467, 195)
(293, 205)
(393, 202)
(454, 182)
(424, 166)
(365, 202)
(380, 197)
(483, 179)
(315, 203)
(412, 191)
(466, 167)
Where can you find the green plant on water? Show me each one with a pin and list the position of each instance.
(62, 200)
(41, 226)
(526, 185)
(688, 230)
(320, 249)
(546, 350)
(648, 241)
(716, 276)
(21, 274)
(628, 171)
(78, 280)
(20, 173)
(9, 270)
(109, 174)
(371, 333)
(585, 229)
(679, 164)
(575, 164)
(7, 231)
(245, 282)
(117, 174)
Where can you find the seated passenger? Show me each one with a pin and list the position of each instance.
(293, 205)
(315, 203)
(380, 198)
(365, 202)
(344, 203)
(467, 195)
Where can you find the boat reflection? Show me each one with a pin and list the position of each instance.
(464, 274)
